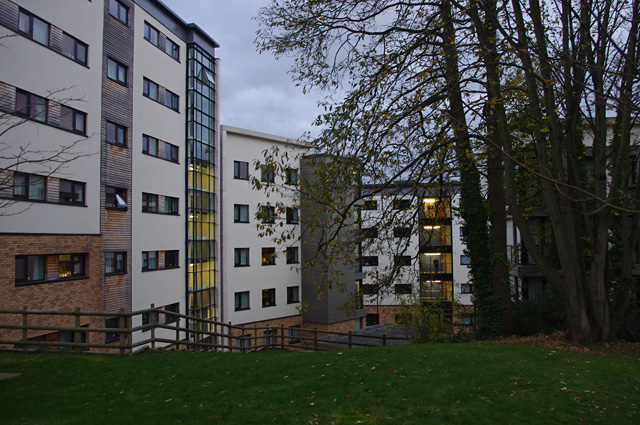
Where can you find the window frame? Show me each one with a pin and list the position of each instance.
(76, 45)
(268, 214)
(172, 308)
(267, 174)
(370, 205)
(26, 278)
(291, 176)
(149, 202)
(369, 261)
(119, 7)
(239, 297)
(117, 130)
(146, 142)
(74, 260)
(465, 260)
(116, 192)
(293, 216)
(147, 84)
(269, 256)
(238, 168)
(75, 114)
(74, 185)
(118, 67)
(402, 289)
(402, 260)
(32, 20)
(175, 49)
(28, 187)
(171, 205)
(30, 104)
(115, 270)
(168, 147)
(171, 100)
(237, 257)
(293, 294)
(146, 257)
(293, 258)
(174, 256)
(149, 30)
(237, 213)
(269, 297)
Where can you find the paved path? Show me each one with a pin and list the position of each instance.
(359, 337)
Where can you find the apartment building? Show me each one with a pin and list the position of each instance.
(260, 278)
(127, 90)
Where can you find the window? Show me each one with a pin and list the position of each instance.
(171, 308)
(29, 186)
(73, 120)
(74, 49)
(116, 71)
(111, 323)
(465, 260)
(467, 320)
(172, 49)
(241, 256)
(369, 232)
(149, 318)
(170, 152)
(171, 205)
(293, 294)
(171, 100)
(270, 337)
(370, 205)
(402, 232)
(294, 334)
(242, 300)
(149, 145)
(119, 11)
(466, 288)
(401, 204)
(149, 203)
(402, 260)
(267, 214)
(292, 255)
(115, 198)
(149, 260)
(369, 289)
(29, 268)
(150, 89)
(241, 170)
(292, 216)
(243, 343)
(151, 34)
(291, 176)
(171, 259)
(31, 106)
(116, 134)
(267, 174)
(461, 231)
(402, 289)
(32, 27)
(240, 213)
(268, 256)
(269, 297)
(115, 262)
(71, 192)
(70, 265)
(369, 261)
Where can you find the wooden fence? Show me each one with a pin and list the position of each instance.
(30, 330)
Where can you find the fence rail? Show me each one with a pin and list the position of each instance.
(99, 332)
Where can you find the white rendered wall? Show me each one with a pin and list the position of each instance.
(30, 66)
(248, 146)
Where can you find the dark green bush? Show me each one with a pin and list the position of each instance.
(544, 314)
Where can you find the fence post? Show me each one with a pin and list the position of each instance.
(122, 324)
(282, 337)
(152, 320)
(384, 339)
(315, 339)
(25, 323)
(349, 339)
(178, 332)
(255, 335)
(76, 334)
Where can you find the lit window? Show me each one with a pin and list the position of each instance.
(115, 262)
(268, 256)
(29, 186)
(151, 34)
(73, 120)
(268, 297)
(33, 27)
(116, 71)
(71, 192)
(150, 89)
(115, 198)
(70, 265)
(293, 294)
(29, 268)
(240, 213)
(149, 203)
(171, 100)
(74, 49)
(241, 170)
(242, 300)
(172, 49)
(31, 106)
(116, 134)
(241, 257)
(149, 260)
(119, 11)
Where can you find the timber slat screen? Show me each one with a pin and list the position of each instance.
(30, 330)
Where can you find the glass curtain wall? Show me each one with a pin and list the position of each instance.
(200, 187)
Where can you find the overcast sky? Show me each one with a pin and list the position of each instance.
(256, 92)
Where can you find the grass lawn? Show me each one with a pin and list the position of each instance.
(431, 383)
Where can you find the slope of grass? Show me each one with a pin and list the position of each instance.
(436, 383)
